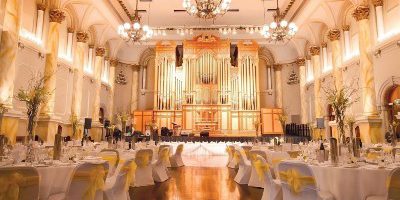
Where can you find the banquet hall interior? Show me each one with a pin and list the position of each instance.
(200, 99)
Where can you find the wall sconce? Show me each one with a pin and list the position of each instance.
(41, 55)
(377, 53)
(21, 45)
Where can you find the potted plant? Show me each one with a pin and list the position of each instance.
(34, 96)
(341, 99)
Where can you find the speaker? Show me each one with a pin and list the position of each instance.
(106, 123)
(88, 123)
(320, 123)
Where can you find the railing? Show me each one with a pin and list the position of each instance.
(264, 138)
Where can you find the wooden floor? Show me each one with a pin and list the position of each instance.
(197, 183)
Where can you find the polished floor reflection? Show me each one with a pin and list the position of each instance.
(198, 183)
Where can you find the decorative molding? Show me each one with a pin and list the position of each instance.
(301, 62)
(324, 45)
(361, 12)
(100, 51)
(265, 54)
(56, 15)
(346, 27)
(334, 34)
(377, 3)
(70, 30)
(91, 46)
(82, 36)
(113, 62)
(41, 6)
(277, 67)
(315, 50)
(146, 56)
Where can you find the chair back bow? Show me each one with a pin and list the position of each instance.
(164, 155)
(179, 149)
(130, 170)
(295, 180)
(142, 159)
(95, 178)
(261, 167)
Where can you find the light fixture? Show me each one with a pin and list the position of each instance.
(206, 9)
(279, 30)
(134, 31)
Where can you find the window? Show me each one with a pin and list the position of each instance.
(309, 71)
(89, 65)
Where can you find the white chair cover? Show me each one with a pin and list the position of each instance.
(305, 178)
(254, 180)
(159, 166)
(176, 159)
(394, 187)
(243, 174)
(112, 157)
(19, 183)
(116, 187)
(272, 187)
(231, 161)
(167, 163)
(88, 181)
(144, 171)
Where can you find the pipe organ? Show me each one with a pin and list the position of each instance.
(207, 92)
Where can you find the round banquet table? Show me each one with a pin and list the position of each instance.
(351, 183)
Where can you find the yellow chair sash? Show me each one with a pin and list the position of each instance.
(252, 156)
(9, 186)
(164, 155)
(95, 177)
(112, 160)
(260, 168)
(295, 180)
(179, 149)
(143, 159)
(130, 174)
(236, 157)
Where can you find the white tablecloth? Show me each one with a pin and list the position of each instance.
(351, 183)
(54, 180)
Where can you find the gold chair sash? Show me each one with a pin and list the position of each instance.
(143, 159)
(295, 180)
(164, 155)
(179, 149)
(260, 168)
(112, 160)
(236, 157)
(130, 174)
(10, 184)
(95, 177)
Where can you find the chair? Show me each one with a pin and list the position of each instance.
(243, 174)
(19, 183)
(298, 182)
(254, 180)
(247, 150)
(88, 181)
(272, 187)
(231, 161)
(112, 157)
(393, 189)
(117, 187)
(168, 163)
(143, 174)
(159, 166)
(176, 159)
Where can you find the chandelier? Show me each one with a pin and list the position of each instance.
(207, 9)
(279, 30)
(134, 31)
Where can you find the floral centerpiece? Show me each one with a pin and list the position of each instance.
(123, 117)
(341, 99)
(74, 124)
(283, 119)
(34, 96)
(393, 127)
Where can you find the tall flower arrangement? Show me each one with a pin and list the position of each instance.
(75, 124)
(283, 119)
(341, 99)
(3, 109)
(123, 117)
(33, 96)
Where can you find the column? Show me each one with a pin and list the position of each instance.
(315, 51)
(346, 34)
(41, 8)
(98, 66)
(370, 122)
(8, 54)
(135, 88)
(334, 36)
(8, 51)
(81, 38)
(278, 86)
(324, 46)
(56, 16)
(90, 58)
(303, 103)
(113, 66)
(70, 36)
(380, 27)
